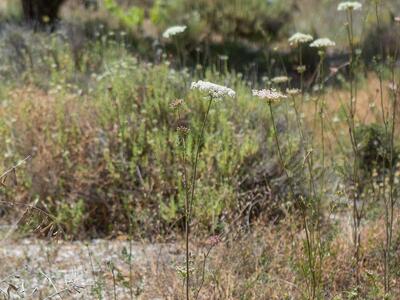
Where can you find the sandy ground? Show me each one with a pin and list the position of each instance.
(33, 269)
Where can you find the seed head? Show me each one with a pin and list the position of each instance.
(183, 130)
(176, 103)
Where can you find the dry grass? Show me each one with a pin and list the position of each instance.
(262, 263)
(369, 111)
(257, 264)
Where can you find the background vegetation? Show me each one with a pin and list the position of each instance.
(88, 95)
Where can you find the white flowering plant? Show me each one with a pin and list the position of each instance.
(214, 90)
(349, 5)
(272, 95)
(322, 43)
(300, 38)
(280, 79)
(174, 30)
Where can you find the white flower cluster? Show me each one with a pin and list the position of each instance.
(174, 30)
(349, 5)
(299, 38)
(280, 79)
(214, 90)
(293, 92)
(323, 43)
(271, 95)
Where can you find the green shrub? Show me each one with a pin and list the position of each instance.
(131, 17)
(104, 137)
(253, 20)
(380, 41)
(374, 148)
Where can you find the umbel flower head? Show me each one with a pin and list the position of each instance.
(299, 38)
(280, 79)
(323, 43)
(212, 89)
(349, 5)
(271, 95)
(174, 30)
(293, 92)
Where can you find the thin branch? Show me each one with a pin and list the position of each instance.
(12, 169)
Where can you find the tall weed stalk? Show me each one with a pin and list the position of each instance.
(389, 122)
(189, 184)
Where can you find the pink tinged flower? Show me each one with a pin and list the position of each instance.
(213, 240)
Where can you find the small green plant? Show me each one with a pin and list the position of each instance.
(374, 148)
(70, 216)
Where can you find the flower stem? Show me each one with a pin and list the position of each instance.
(189, 202)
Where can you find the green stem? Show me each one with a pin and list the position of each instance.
(353, 95)
(193, 181)
(307, 230)
(188, 205)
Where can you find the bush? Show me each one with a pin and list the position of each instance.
(254, 20)
(104, 141)
(375, 148)
(381, 41)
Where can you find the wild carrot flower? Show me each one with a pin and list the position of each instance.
(322, 43)
(397, 19)
(213, 90)
(293, 92)
(271, 95)
(349, 5)
(174, 30)
(299, 38)
(280, 79)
